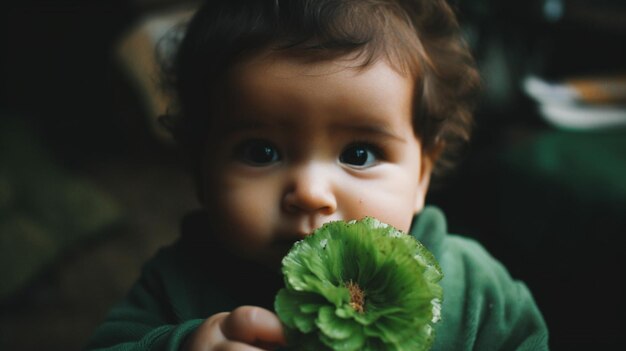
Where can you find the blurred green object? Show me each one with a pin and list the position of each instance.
(44, 209)
(573, 182)
(562, 219)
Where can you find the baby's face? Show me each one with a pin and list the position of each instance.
(306, 143)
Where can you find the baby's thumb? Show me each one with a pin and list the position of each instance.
(254, 326)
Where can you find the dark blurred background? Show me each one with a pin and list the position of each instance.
(90, 187)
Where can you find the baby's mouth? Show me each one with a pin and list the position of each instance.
(284, 240)
(283, 244)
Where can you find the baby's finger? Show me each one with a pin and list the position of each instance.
(208, 334)
(227, 345)
(254, 326)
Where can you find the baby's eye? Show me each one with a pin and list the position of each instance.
(359, 155)
(257, 153)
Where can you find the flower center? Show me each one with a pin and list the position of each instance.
(357, 296)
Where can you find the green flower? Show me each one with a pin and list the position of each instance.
(361, 285)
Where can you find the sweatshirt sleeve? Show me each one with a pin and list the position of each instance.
(146, 319)
(483, 307)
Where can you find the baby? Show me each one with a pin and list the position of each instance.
(295, 113)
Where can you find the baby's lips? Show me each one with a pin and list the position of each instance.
(284, 243)
(292, 234)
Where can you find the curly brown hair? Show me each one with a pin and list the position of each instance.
(417, 37)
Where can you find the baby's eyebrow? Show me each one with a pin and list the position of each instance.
(374, 129)
(361, 126)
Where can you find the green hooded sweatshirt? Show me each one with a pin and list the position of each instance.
(483, 307)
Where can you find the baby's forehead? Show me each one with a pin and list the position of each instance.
(277, 79)
(262, 75)
(289, 64)
(279, 94)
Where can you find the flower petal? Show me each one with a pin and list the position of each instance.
(397, 282)
(287, 305)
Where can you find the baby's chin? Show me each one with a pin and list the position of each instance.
(273, 258)
(270, 257)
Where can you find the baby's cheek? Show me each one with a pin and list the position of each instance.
(393, 208)
(247, 217)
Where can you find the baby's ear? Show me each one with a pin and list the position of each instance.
(427, 166)
(423, 182)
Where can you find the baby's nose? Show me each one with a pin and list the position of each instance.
(310, 189)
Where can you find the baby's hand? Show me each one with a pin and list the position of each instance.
(245, 328)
